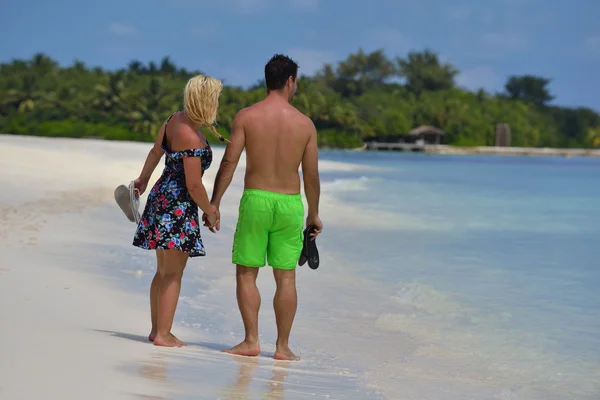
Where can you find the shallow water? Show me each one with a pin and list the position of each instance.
(514, 235)
(505, 246)
(440, 276)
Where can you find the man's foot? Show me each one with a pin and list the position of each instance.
(168, 341)
(152, 335)
(244, 349)
(285, 354)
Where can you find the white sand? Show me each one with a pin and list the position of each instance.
(75, 325)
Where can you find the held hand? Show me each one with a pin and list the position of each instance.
(140, 185)
(315, 221)
(213, 220)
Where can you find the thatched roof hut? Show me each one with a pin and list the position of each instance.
(427, 130)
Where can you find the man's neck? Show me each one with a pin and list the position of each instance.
(277, 95)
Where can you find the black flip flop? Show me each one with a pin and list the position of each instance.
(310, 252)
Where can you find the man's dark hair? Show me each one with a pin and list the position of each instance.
(278, 70)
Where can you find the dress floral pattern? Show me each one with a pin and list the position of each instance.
(170, 219)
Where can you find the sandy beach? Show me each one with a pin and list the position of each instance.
(74, 303)
(76, 316)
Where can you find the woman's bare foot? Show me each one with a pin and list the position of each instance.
(179, 342)
(284, 353)
(168, 341)
(152, 335)
(244, 349)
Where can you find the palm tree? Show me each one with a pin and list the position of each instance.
(424, 72)
(26, 96)
(109, 100)
(151, 107)
(167, 67)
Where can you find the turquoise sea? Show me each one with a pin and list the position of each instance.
(512, 242)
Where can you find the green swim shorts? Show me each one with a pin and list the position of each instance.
(269, 226)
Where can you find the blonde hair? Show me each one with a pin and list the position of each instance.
(201, 101)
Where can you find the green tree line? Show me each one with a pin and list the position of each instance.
(365, 95)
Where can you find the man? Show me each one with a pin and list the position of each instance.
(278, 139)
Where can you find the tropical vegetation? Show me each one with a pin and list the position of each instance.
(368, 94)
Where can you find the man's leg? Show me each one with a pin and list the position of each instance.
(248, 298)
(154, 296)
(285, 246)
(285, 304)
(249, 251)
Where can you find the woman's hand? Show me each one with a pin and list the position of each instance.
(140, 185)
(212, 219)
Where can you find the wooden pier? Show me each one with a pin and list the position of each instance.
(427, 139)
(416, 147)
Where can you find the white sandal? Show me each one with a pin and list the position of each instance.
(128, 199)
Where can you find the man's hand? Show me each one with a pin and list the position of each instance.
(140, 185)
(212, 222)
(315, 221)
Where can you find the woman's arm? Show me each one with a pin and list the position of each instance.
(152, 160)
(192, 166)
(193, 181)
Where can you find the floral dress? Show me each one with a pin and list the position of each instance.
(170, 219)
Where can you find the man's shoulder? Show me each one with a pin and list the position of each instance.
(248, 112)
(244, 111)
(301, 117)
(307, 122)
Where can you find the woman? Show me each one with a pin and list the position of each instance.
(170, 224)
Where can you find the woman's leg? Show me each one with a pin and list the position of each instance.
(154, 295)
(171, 272)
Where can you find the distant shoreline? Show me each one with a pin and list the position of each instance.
(485, 150)
(514, 151)
(430, 149)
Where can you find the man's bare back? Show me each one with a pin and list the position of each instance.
(276, 138)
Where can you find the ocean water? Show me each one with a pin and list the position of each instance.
(507, 247)
(441, 277)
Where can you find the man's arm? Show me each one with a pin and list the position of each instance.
(233, 151)
(312, 183)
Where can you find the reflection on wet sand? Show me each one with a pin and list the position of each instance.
(246, 376)
(155, 370)
(276, 386)
(243, 377)
(239, 390)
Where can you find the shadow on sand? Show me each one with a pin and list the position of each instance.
(144, 339)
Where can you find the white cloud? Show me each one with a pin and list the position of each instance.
(119, 29)
(304, 5)
(311, 60)
(477, 78)
(497, 42)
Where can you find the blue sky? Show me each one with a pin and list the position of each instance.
(487, 40)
